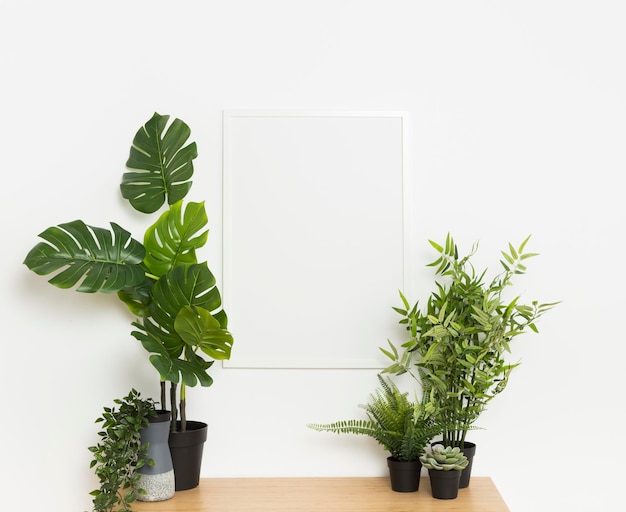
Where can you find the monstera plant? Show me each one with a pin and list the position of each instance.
(180, 319)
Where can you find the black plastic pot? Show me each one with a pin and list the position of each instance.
(404, 476)
(186, 449)
(444, 485)
(469, 449)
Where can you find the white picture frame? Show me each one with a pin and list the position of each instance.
(315, 236)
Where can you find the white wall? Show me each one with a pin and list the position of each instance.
(518, 127)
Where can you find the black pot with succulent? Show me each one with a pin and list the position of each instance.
(445, 465)
(401, 426)
(459, 344)
(180, 319)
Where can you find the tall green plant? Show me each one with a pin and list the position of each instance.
(180, 319)
(459, 342)
(402, 427)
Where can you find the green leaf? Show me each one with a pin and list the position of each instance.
(106, 261)
(192, 288)
(393, 355)
(436, 246)
(198, 328)
(192, 285)
(173, 239)
(164, 364)
(523, 244)
(507, 257)
(437, 262)
(177, 370)
(138, 298)
(404, 301)
(161, 166)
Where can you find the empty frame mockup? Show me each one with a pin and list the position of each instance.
(315, 236)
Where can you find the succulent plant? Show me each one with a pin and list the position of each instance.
(444, 458)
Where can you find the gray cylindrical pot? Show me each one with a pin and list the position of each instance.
(158, 480)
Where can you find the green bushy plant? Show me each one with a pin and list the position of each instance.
(401, 426)
(458, 344)
(119, 453)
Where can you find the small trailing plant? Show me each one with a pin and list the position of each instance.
(444, 458)
(402, 427)
(458, 344)
(119, 453)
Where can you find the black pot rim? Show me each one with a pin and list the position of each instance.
(162, 415)
(395, 460)
(444, 474)
(466, 444)
(191, 426)
(195, 434)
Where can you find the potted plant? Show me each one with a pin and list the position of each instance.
(402, 427)
(122, 453)
(458, 344)
(444, 464)
(180, 319)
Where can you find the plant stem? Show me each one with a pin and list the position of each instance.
(183, 407)
(173, 405)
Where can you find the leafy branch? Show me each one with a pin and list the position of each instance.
(458, 343)
(119, 453)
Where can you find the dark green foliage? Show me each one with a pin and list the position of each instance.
(107, 260)
(119, 453)
(402, 427)
(180, 319)
(459, 343)
(161, 166)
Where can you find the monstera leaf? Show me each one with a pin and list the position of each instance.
(192, 285)
(190, 370)
(161, 167)
(105, 261)
(198, 328)
(185, 315)
(138, 298)
(173, 239)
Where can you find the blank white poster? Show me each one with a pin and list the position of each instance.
(315, 236)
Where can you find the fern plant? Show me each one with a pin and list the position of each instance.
(402, 427)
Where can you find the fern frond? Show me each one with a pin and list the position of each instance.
(401, 426)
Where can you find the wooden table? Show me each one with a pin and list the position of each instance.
(323, 495)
